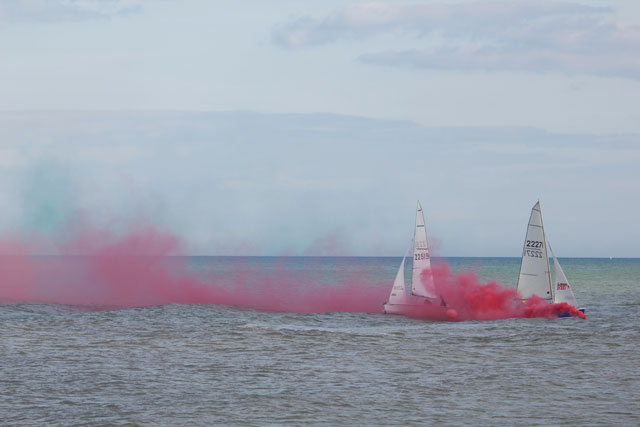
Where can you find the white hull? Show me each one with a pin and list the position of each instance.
(403, 308)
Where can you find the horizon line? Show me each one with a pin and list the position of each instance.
(315, 256)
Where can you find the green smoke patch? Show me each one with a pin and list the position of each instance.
(47, 199)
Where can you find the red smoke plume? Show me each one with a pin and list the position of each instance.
(118, 272)
(473, 300)
(138, 269)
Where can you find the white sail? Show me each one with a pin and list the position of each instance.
(398, 292)
(421, 278)
(534, 276)
(563, 289)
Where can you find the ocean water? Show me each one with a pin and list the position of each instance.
(205, 364)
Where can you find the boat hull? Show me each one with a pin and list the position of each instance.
(566, 313)
(406, 308)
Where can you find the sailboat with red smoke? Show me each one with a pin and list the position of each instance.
(422, 289)
(535, 277)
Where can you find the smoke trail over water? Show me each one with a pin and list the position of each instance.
(140, 268)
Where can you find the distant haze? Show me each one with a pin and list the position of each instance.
(316, 184)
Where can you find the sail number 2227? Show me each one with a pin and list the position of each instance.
(533, 254)
(530, 246)
(533, 244)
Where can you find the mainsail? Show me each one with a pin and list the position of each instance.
(421, 278)
(563, 289)
(534, 276)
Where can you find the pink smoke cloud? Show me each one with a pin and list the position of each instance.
(140, 268)
(464, 297)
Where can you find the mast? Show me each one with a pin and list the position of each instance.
(546, 254)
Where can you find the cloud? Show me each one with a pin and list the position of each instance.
(65, 10)
(535, 36)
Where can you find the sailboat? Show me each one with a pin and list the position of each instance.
(422, 286)
(534, 277)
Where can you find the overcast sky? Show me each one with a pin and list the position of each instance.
(561, 66)
(567, 68)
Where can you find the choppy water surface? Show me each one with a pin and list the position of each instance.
(207, 364)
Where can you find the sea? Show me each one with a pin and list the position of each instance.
(206, 364)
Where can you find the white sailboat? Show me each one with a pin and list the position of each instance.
(535, 278)
(422, 285)
(563, 292)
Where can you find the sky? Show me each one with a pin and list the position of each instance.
(295, 127)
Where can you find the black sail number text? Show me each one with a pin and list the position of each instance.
(533, 244)
(533, 253)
